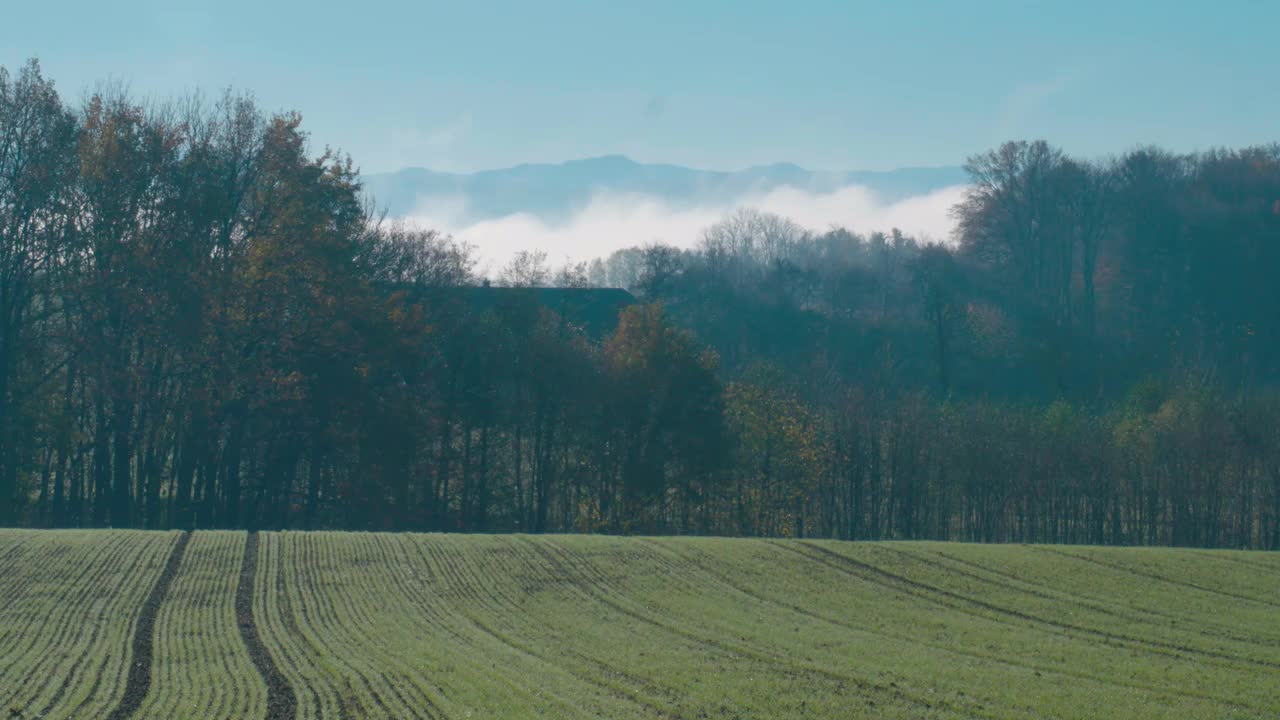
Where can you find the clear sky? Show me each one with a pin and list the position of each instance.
(723, 84)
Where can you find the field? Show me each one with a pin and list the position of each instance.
(124, 624)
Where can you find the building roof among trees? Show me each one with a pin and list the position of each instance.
(594, 309)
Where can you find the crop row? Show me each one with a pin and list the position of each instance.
(978, 631)
(334, 625)
(534, 627)
(360, 632)
(67, 612)
(200, 665)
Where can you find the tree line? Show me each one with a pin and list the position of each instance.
(204, 323)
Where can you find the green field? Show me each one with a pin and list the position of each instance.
(336, 625)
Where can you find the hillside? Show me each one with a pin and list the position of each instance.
(308, 625)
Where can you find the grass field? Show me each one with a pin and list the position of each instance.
(119, 624)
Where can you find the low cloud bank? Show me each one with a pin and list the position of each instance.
(611, 221)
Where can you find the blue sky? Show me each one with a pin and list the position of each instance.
(714, 84)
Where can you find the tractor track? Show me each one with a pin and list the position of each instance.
(961, 603)
(958, 651)
(282, 703)
(138, 682)
(1158, 577)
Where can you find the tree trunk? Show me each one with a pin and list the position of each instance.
(313, 483)
(8, 453)
(482, 481)
(101, 490)
(122, 457)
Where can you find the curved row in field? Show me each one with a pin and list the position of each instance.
(336, 625)
(282, 701)
(69, 603)
(431, 626)
(200, 667)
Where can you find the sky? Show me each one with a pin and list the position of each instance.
(717, 84)
(831, 85)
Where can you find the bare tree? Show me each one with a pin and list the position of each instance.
(401, 253)
(527, 269)
(659, 264)
(750, 236)
(573, 275)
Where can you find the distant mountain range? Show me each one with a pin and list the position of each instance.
(554, 191)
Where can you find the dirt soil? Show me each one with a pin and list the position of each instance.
(139, 680)
(282, 704)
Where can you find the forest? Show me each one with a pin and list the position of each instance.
(205, 323)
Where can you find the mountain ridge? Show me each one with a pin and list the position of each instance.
(553, 191)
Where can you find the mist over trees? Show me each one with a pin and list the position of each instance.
(203, 325)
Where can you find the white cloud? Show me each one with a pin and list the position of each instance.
(612, 221)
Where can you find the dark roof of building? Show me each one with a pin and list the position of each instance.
(594, 309)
